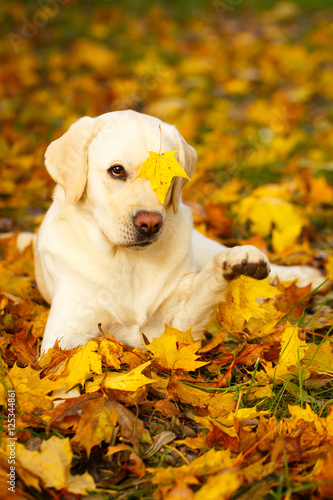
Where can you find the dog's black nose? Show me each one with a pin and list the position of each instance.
(148, 223)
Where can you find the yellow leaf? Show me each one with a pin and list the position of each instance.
(267, 212)
(220, 487)
(319, 360)
(31, 390)
(209, 463)
(240, 303)
(299, 416)
(307, 414)
(130, 381)
(51, 467)
(230, 192)
(165, 351)
(160, 169)
(237, 86)
(216, 404)
(83, 361)
(260, 392)
(117, 448)
(261, 327)
(110, 353)
(285, 238)
(292, 353)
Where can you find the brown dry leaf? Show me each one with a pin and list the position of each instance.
(23, 344)
(224, 437)
(93, 418)
(136, 465)
(66, 416)
(166, 408)
(98, 420)
(290, 296)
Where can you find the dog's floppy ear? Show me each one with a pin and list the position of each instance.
(187, 157)
(66, 159)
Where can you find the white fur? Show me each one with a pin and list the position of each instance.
(86, 264)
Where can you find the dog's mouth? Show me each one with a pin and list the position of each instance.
(142, 244)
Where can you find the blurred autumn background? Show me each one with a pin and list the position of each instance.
(249, 85)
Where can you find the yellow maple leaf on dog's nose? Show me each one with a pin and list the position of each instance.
(160, 169)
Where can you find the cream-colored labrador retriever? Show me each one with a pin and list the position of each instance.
(109, 252)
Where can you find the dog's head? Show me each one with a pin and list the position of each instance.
(96, 163)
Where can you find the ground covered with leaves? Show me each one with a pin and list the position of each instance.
(248, 415)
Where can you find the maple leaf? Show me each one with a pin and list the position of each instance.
(31, 390)
(83, 361)
(130, 381)
(167, 353)
(51, 467)
(96, 424)
(240, 305)
(160, 169)
(110, 352)
(99, 418)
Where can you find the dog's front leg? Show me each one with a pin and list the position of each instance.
(72, 319)
(209, 286)
(204, 250)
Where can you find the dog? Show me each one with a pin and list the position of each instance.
(109, 252)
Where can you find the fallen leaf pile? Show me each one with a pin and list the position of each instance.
(248, 414)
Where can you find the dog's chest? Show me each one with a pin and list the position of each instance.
(131, 290)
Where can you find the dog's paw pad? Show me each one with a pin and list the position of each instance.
(246, 261)
(257, 270)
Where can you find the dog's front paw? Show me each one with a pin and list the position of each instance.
(246, 260)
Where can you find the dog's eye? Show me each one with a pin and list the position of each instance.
(117, 171)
